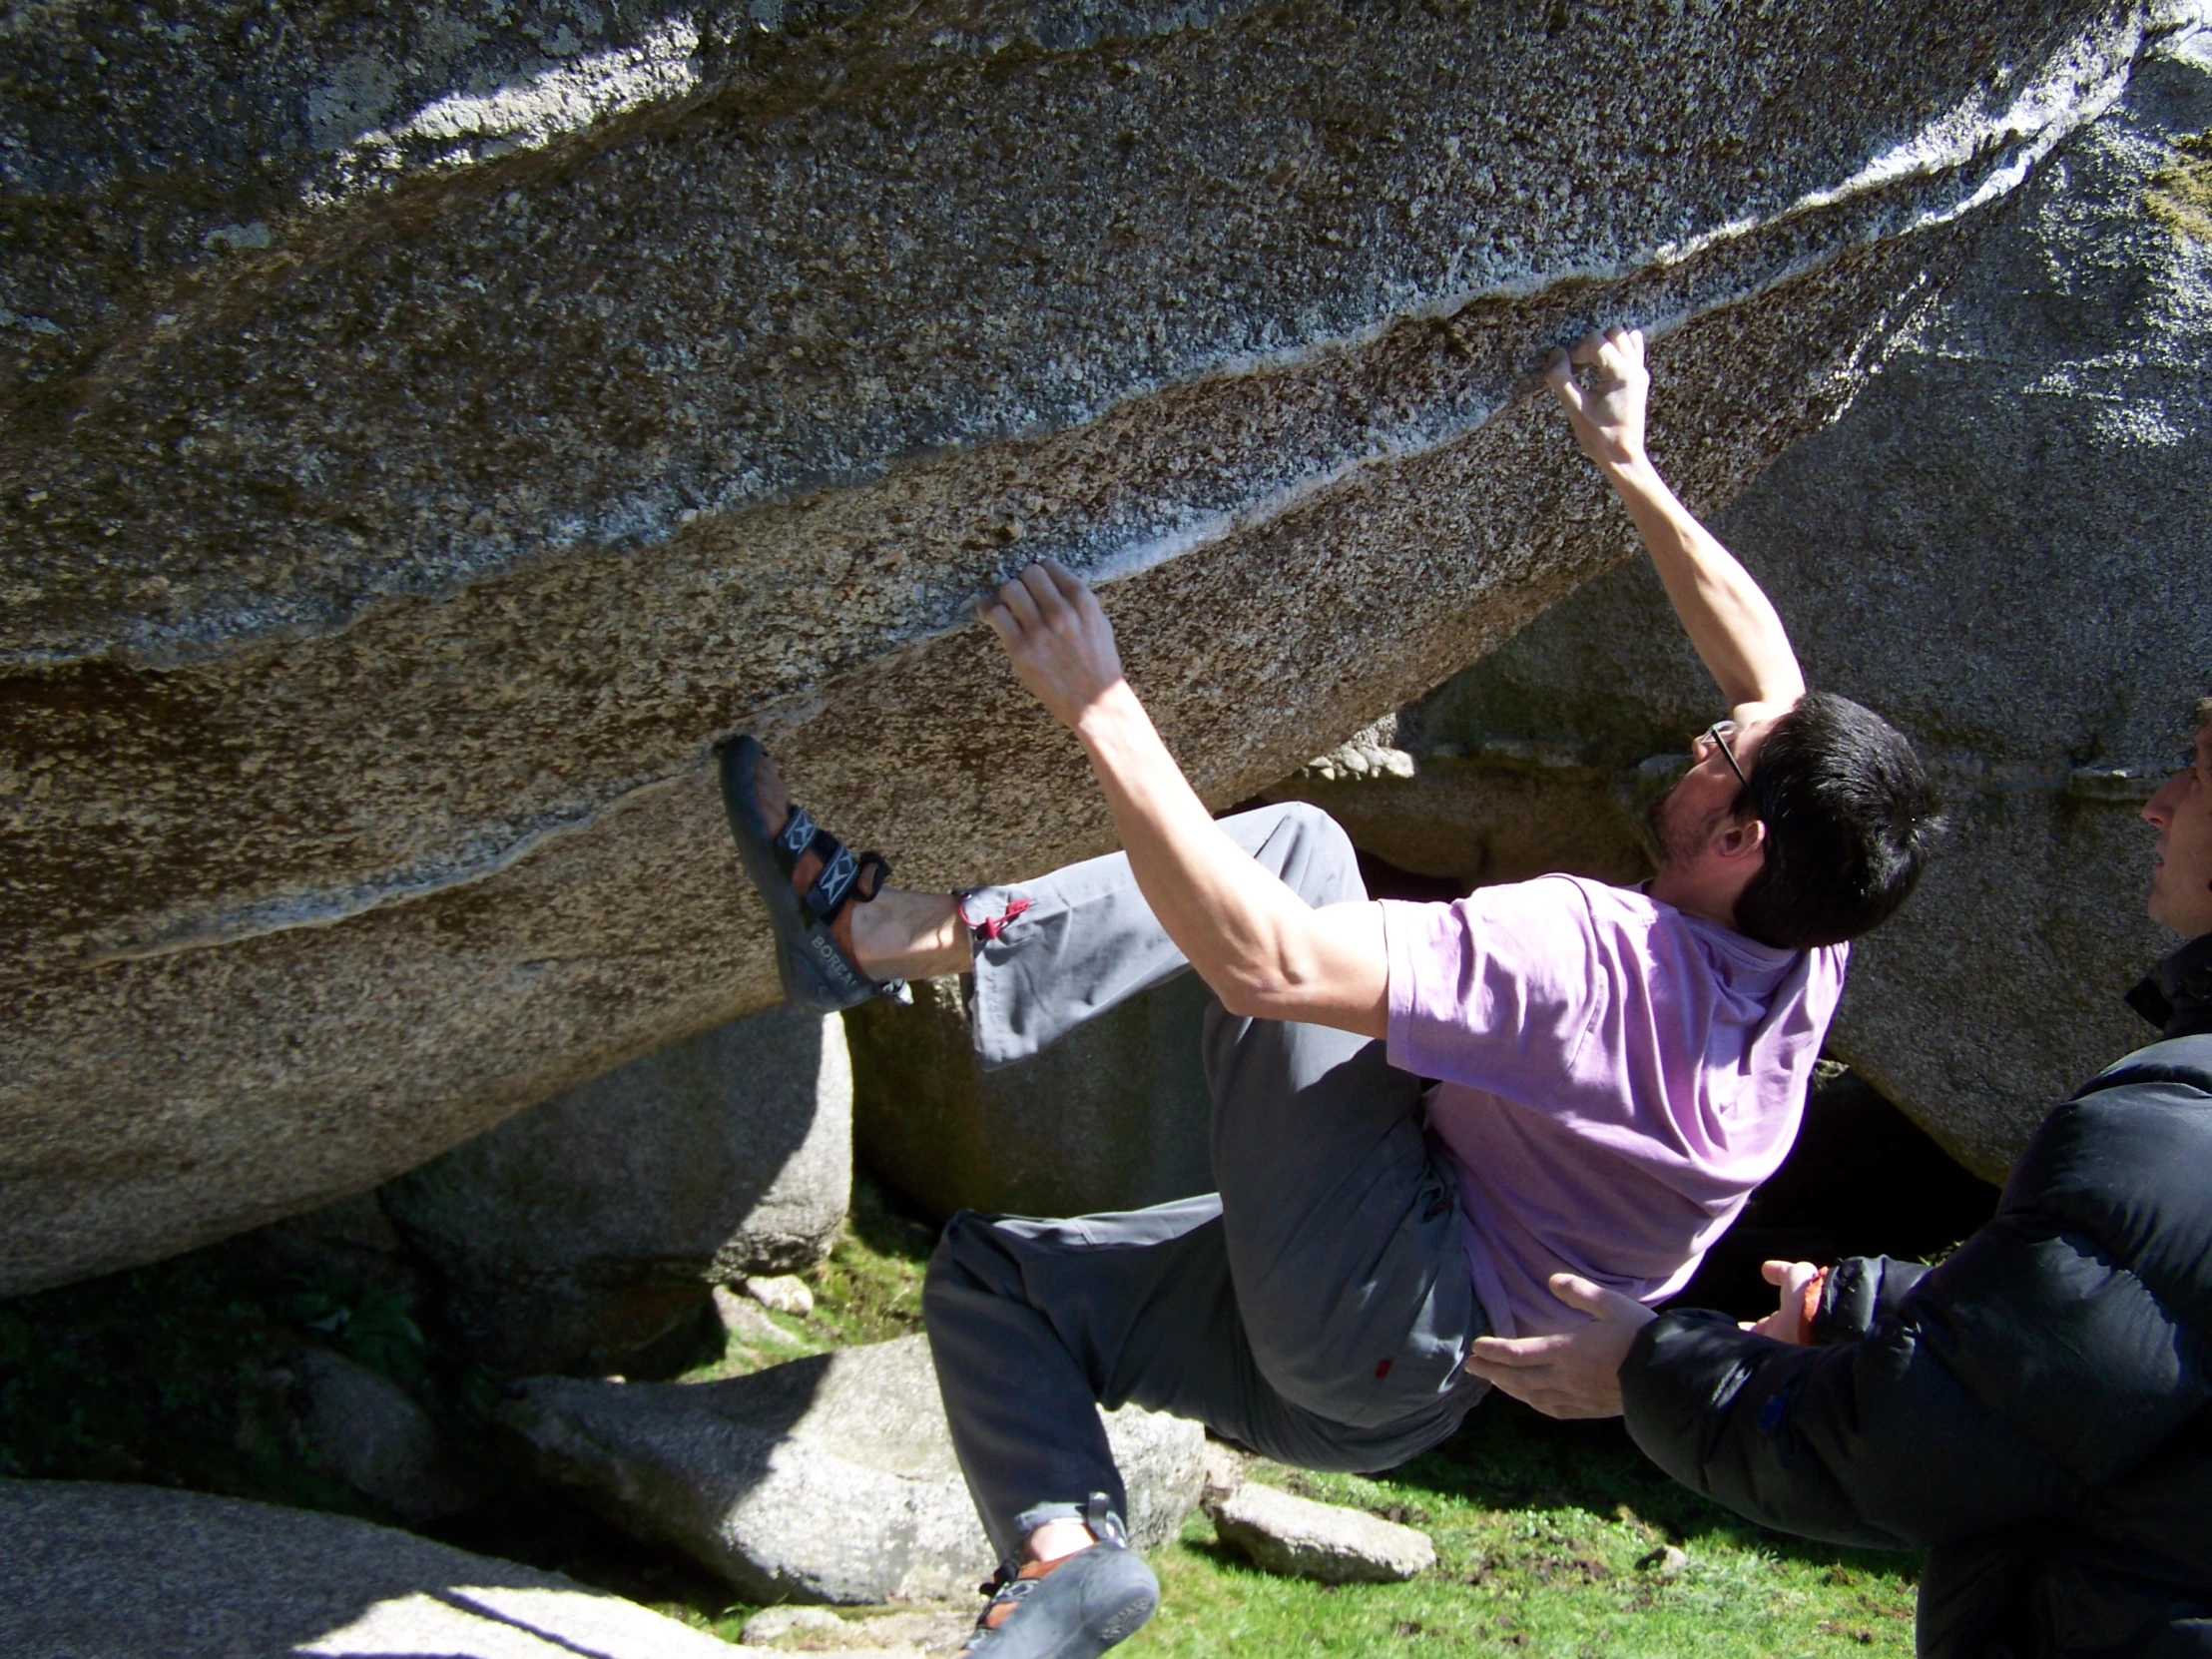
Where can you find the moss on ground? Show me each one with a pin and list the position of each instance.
(866, 1289)
(179, 1373)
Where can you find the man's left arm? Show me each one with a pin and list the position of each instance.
(1265, 952)
(1731, 622)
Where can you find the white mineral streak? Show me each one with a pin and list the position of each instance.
(568, 97)
(465, 127)
(2078, 85)
(489, 851)
(2075, 87)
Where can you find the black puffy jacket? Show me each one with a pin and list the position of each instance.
(2034, 1408)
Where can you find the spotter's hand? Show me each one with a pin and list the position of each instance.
(1788, 1322)
(1060, 642)
(1575, 1373)
(1608, 414)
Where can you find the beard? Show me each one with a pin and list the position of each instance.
(1678, 842)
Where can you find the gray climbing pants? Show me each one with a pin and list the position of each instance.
(1316, 1308)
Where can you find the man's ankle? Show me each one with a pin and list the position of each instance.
(901, 935)
(1055, 1541)
(1041, 1551)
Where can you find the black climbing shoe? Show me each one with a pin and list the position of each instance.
(815, 971)
(1087, 1604)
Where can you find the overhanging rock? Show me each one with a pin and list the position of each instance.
(2004, 546)
(426, 436)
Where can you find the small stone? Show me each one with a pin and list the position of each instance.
(237, 237)
(1668, 1561)
(933, 1629)
(1222, 1470)
(746, 1320)
(1294, 1536)
(785, 1292)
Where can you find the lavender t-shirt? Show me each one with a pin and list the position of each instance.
(1617, 1077)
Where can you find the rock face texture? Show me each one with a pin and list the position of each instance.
(93, 1571)
(1114, 1116)
(2004, 546)
(427, 433)
(830, 1478)
(582, 1230)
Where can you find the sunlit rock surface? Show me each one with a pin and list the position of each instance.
(827, 1479)
(427, 432)
(98, 1572)
(2004, 546)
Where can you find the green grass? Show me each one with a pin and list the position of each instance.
(1549, 1535)
(866, 1289)
(1549, 1541)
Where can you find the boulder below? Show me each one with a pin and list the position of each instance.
(96, 1572)
(376, 1438)
(1286, 1533)
(588, 1229)
(806, 1629)
(827, 1479)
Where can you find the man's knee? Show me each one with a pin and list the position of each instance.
(1309, 851)
(961, 1264)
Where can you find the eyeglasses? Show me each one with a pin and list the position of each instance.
(1718, 734)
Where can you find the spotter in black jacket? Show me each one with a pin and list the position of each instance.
(2034, 1408)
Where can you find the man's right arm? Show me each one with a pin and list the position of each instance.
(1730, 621)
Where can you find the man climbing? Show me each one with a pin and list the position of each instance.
(1619, 1067)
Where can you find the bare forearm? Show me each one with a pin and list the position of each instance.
(1266, 952)
(1734, 625)
(1251, 938)
(1736, 631)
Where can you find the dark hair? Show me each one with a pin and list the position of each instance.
(1851, 817)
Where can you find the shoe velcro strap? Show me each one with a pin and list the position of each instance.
(795, 837)
(1104, 1520)
(866, 890)
(832, 884)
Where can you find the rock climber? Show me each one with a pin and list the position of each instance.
(2035, 1407)
(1420, 1112)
